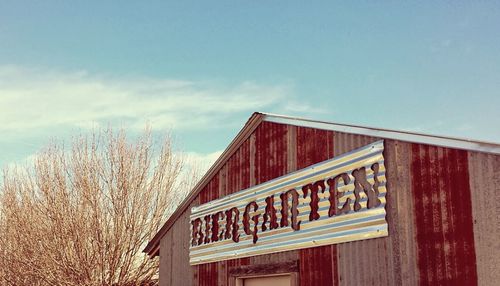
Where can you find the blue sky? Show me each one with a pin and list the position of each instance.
(200, 68)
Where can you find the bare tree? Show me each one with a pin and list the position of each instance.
(83, 216)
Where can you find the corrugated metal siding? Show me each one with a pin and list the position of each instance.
(166, 259)
(363, 262)
(288, 141)
(484, 176)
(445, 239)
(211, 191)
(313, 146)
(271, 160)
(271, 156)
(207, 273)
(237, 177)
(317, 265)
(174, 250)
(180, 246)
(401, 254)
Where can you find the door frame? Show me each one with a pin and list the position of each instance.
(238, 274)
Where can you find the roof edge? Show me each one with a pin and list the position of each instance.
(407, 136)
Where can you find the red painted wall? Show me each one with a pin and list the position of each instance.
(317, 265)
(442, 200)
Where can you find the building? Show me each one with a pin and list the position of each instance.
(377, 207)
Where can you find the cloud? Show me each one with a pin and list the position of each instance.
(32, 99)
(39, 105)
(303, 108)
(202, 161)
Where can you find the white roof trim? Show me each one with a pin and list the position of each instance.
(458, 143)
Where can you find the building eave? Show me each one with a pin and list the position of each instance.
(406, 136)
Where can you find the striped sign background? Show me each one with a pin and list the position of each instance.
(355, 225)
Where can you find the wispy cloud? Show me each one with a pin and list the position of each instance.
(294, 107)
(202, 161)
(33, 98)
(196, 164)
(37, 105)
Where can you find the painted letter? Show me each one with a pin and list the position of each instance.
(232, 224)
(335, 195)
(255, 219)
(284, 209)
(197, 234)
(314, 215)
(216, 236)
(362, 184)
(207, 229)
(376, 202)
(270, 214)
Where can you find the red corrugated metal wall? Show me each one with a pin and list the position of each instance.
(271, 152)
(317, 265)
(207, 273)
(445, 237)
(237, 175)
(437, 191)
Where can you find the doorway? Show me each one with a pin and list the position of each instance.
(272, 274)
(281, 280)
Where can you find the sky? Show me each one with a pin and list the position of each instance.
(199, 69)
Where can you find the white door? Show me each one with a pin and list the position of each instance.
(282, 280)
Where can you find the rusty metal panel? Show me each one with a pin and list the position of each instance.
(194, 269)
(318, 265)
(366, 222)
(442, 198)
(176, 249)
(484, 171)
(234, 176)
(211, 191)
(270, 156)
(369, 255)
(291, 149)
(166, 260)
(400, 248)
(239, 177)
(174, 256)
(179, 252)
(279, 145)
(389, 260)
(207, 274)
(313, 146)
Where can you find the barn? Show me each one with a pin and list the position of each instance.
(295, 201)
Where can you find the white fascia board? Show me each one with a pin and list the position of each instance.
(450, 142)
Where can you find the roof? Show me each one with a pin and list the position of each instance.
(153, 247)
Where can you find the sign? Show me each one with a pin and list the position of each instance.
(337, 200)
